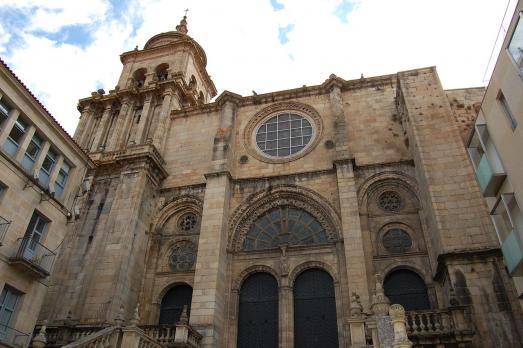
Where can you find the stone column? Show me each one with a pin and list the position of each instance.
(161, 129)
(221, 152)
(210, 279)
(286, 315)
(380, 309)
(102, 129)
(82, 123)
(352, 233)
(41, 157)
(88, 131)
(8, 125)
(55, 171)
(113, 141)
(340, 127)
(22, 147)
(144, 120)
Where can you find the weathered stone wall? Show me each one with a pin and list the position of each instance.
(465, 103)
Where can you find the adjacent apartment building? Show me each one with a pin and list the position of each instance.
(41, 169)
(496, 144)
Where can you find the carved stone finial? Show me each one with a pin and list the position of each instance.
(136, 317)
(40, 340)
(380, 302)
(356, 309)
(184, 318)
(182, 27)
(119, 320)
(397, 316)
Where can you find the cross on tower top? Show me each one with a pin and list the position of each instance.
(186, 10)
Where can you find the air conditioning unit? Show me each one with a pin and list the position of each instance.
(52, 191)
(36, 175)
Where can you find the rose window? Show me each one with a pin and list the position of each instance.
(284, 135)
(183, 257)
(187, 222)
(390, 201)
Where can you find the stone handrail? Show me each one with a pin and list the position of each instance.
(162, 334)
(107, 337)
(428, 322)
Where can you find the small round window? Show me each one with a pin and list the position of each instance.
(284, 135)
(397, 241)
(187, 222)
(390, 201)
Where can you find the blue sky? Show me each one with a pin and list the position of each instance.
(65, 49)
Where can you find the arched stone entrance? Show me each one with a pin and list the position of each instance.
(258, 312)
(315, 322)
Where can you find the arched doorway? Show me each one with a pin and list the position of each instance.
(173, 302)
(407, 289)
(315, 310)
(258, 312)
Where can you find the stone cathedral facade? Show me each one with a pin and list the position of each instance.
(274, 220)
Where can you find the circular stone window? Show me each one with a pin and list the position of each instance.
(390, 201)
(183, 257)
(187, 222)
(284, 134)
(397, 241)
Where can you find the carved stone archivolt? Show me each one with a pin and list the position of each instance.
(384, 182)
(176, 205)
(254, 269)
(282, 195)
(309, 265)
(270, 111)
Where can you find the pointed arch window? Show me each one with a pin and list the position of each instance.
(284, 225)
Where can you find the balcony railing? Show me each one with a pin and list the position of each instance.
(4, 226)
(34, 257)
(489, 181)
(433, 327)
(13, 337)
(513, 253)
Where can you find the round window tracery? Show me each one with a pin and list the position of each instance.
(284, 135)
(390, 201)
(284, 225)
(183, 257)
(187, 222)
(397, 241)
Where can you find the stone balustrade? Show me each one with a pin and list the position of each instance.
(147, 336)
(107, 337)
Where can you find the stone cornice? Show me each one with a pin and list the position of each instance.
(470, 254)
(295, 93)
(132, 155)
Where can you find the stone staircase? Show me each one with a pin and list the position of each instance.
(181, 335)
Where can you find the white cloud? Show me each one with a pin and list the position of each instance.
(242, 46)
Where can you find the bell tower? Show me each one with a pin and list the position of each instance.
(169, 73)
(100, 270)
